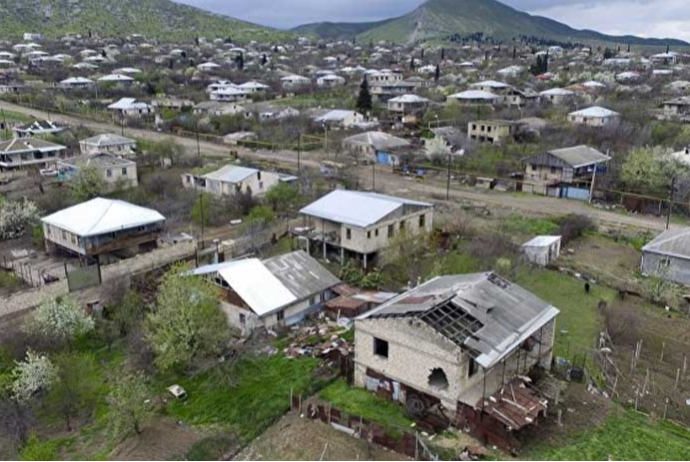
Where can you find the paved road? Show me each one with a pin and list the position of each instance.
(385, 180)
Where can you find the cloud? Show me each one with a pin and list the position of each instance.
(648, 18)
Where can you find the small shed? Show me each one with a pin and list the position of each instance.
(542, 250)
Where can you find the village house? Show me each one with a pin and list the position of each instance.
(677, 108)
(340, 119)
(405, 108)
(109, 143)
(444, 141)
(377, 147)
(290, 82)
(130, 107)
(270, 294)
(228, 94)
(217, 109)
(232, 179)
(594, 117)
(28, 152)
(77, 83)
(668, 256)
(360, 225)
(474, 97)
(37, 128)
(492, 131)
(460, 345)
(558, 96)
(118, 80)
(566, 172)
(116, 172)
(101, 227)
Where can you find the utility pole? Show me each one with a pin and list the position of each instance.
(591, 187)
(450, 158)
(373, 176)
(201, 207)
(198, 146)
(670, 202)
(299, 154)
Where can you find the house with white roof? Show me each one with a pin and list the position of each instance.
(360, 225)
(19, 153)
(37, 128)
(293, 81)
(116, 172)
(330, 81)
(407, 106)
(275, 293)
(77, 83)
(120, 80)
(130, 107)
(100, 227)
(594, 117)
(232, 179)
(375, 146)
(228, 94)
(109, 143)
(474, 97)
(340, 118)
(558, 96)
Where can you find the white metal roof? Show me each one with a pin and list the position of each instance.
(474, 94)
(256, 285)
(595, 111)
(231, 174)
(101, 216)
(356, 208)
(542, 241)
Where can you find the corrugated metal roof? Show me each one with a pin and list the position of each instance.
(256, 285)
(379, 140)
(480, 312)
(357, 208)
(579, 156)
(673, 242)
(101, 216)
(231, 174)
(301, 274)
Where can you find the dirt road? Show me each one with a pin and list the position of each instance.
(386, 182)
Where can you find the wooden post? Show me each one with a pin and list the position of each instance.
(677, 377)
(560, 417)
(665, 408)
(292, 408)
(663, 348)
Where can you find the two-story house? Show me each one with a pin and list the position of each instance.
(360, 225)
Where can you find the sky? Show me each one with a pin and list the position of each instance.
(645, 18)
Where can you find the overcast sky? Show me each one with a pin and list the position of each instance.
(647, 18)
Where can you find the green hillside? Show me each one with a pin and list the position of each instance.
(337, 30)
(160, 19)
(437, 19)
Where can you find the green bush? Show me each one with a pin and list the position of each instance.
(35, 449)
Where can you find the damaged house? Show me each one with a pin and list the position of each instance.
(460, 346)
(272, 294)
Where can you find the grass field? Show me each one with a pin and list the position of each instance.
(623, 436)
(357, 401)
(247, 397)
(579, 312)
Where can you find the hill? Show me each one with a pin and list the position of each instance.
(338, 30)
(159, 19)
(438, 19)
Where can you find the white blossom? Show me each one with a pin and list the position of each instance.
(15, 217)
(33, 374)
(62, 318)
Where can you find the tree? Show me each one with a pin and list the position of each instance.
(239, 61)
(282, 196)
(73, 393)
(364, 100)
(260, 216)
(187, 323)
(651, 170)
(201, 210)
(33, 374)
(16, 217)
(62, 319)
(128, 405)
(128, 312)
(87, 184)
(437, 73)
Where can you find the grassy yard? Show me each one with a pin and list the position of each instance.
(579, 313)
(357, 401)
(623, 436)
(247, 397)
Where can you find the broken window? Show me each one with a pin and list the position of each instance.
(438, 379)
(472, 369)
(380, 347)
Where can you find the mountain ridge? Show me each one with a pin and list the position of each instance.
(439, 19)
(156, 19)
